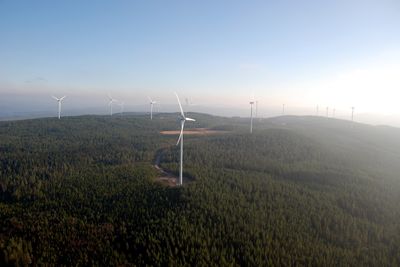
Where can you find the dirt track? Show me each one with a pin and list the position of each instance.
(165, 178)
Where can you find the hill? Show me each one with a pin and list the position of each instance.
(299, 191)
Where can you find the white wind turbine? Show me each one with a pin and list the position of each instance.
(251, 116)
(121, 104)
(112, 100)
(59, 100)
(180, 139)
(151, 107)
(256, 109)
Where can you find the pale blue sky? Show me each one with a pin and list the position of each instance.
(300, 52)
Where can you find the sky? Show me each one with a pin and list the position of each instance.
(220, 54)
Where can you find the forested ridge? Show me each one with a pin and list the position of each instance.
(300, 191)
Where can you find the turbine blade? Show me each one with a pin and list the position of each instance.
(62, 98)
(190, 119)
(181, 134)
(55, 98)
(180, 106)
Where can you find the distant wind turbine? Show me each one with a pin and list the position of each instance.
(112, 100)
(189, 103)
(122, 104)
(251, 116)
(283, 109)
(256, 109)
(180, 139)
(151, 107)
(59, 100)
(327, 111)
(317, 110)
(352, 113)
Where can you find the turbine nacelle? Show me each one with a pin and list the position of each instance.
(152, 101)
(59, 99)
(112, 101)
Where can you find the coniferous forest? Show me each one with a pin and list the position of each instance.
(299, 191)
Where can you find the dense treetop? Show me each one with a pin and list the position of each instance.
(298, 191)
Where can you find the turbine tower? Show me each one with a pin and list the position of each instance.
(122, 104)
(59, 100)
(283, 109)
(151, 107)
(352, 113)
(327, 111)
(112, 100)
(180, 139)
(256, 115)
(251, 116)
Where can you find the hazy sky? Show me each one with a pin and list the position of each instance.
(302, 53)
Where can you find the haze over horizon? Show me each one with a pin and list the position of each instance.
(219, 54)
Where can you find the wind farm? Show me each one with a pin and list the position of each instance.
(277, 142)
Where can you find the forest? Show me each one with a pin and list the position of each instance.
(299, 191)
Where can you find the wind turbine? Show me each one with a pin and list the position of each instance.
(256, 109)
(122, 104)
(112, 100)
(283, 109)
(352, 113)
(189, 103)
(317, 110)
(59, 100)
(151, 107)
(251, 116)
(180, 139)
(327, 111)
